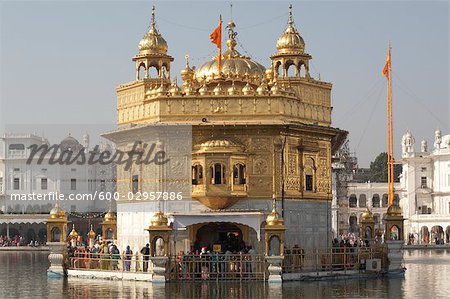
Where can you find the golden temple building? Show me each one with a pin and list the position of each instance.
(255, 133)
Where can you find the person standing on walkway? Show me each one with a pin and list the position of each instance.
(145, 251)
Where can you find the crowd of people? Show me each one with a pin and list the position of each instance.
(17, 240)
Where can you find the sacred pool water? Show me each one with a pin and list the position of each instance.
(23, 275)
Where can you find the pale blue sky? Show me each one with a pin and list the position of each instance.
(60, 62)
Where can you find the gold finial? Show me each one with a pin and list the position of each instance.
(153, 16)
(231, 11)
(231, 42)
(187, 60)
(290, 14)
(274, 203)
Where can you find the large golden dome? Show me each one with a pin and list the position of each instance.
(153, 42)
(234, 65)
(290, 41)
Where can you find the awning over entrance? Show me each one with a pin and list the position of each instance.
(252, 219)
(23, 218)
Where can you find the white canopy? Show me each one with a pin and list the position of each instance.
(252, 219)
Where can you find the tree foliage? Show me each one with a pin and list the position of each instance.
(378, 172)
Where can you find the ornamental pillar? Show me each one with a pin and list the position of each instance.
(274, 236)
(56, 241)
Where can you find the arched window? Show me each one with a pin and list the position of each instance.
(376, 201)
(153, 72)
(239, 174)
(109, 234)
(302, 71)
(353, 223)
(274, 246)
(16, 147)
(56, 234)
(158, 246)
(217, 174)
(362, 201)
(395, 233)
(277, 69)
(396, 199)
(197, 174)
(290, 69)
(384, 200)
(352, 200)
(141, 71)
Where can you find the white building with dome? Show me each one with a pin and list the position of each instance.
(425, 189)
(20, 178)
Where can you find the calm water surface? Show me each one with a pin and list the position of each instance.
(23, 275)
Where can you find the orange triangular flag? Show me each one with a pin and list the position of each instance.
(216, 36)
(387, 66)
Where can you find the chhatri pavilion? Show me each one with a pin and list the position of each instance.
(250, 148)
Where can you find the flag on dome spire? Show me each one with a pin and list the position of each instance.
(387, 66)
(216, 38)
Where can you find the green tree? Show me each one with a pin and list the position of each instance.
(378, 172)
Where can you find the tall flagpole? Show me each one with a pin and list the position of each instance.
(390, 134)
(220, 48)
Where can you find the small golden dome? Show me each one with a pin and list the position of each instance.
(162, 90)
(290, 41)
(248, 90)
(234, 65)
(394, 210)
(148, 93)
(153, 42)
(274, 219)
(218, 90)
(204, 90)
(187, 73)
(262, 89)
(174, 90)
(159, 219)
(232, 90)
(189, 90)
(153, 92)
(57, 212)
(274, 90)
(269, 74)
(367, 215)
(91, 233)
(73, 234)
(110, 216)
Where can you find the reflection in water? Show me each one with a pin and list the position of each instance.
(24, 275)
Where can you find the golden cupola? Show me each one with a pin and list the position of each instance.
(274, 219)
(159, 219)
(290, 41)
(367, 215)
(235, 66)
(152, 57)
(153, 42)
(57, 212)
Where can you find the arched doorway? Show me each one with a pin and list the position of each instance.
(447, 234)
(353, 224)
(424, 235)
(437, 234)
(227, 235)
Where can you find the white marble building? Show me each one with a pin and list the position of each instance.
(17, 177)
(425, 184)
